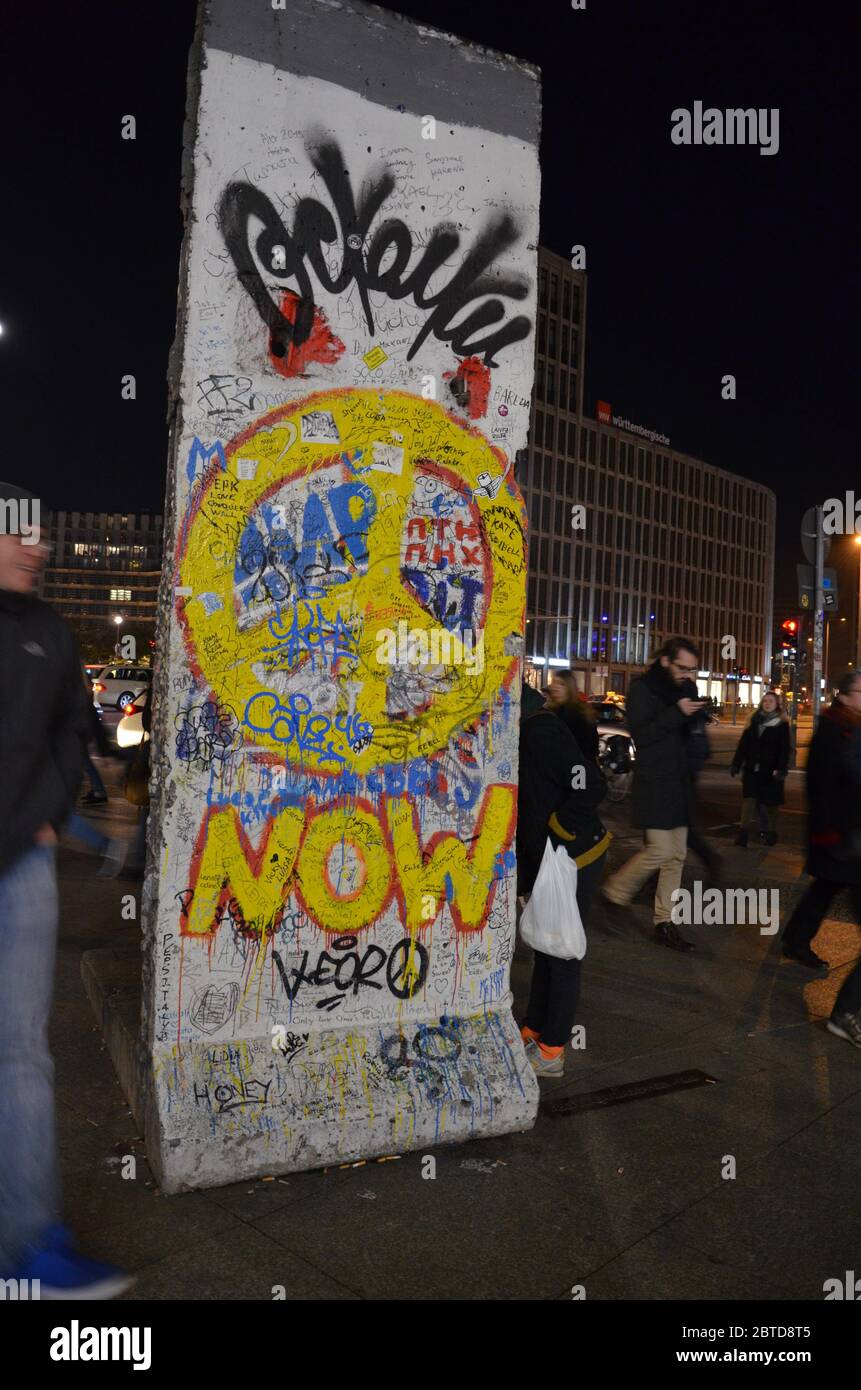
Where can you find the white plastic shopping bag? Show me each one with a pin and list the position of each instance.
(551, 922)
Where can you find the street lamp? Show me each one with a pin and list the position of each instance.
(119, 622)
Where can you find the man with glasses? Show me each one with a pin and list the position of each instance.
(662, 794)
(43, 732)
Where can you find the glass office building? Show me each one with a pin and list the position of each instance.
(103, 565)
(663, 545)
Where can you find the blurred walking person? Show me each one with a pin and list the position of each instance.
(762, 755)
(548, 806)
(699, 752)
(43, 729)
(658, 713)
(834, 842)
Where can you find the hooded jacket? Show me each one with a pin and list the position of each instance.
(43, 722)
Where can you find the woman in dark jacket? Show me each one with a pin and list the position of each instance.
(568, 704)
(558, 796)
(763, 756)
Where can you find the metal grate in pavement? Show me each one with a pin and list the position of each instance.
(646, 1089)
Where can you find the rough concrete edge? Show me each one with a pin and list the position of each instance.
(125, 1048)
(164, 612)
(470, 50)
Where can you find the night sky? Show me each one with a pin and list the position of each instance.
(701, 260)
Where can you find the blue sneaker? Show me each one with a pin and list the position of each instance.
(63, 1273)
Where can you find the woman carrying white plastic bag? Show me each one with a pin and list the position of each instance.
(557, 821)
(552, 923)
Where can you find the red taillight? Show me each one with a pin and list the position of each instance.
(97, 686)
(131, 709)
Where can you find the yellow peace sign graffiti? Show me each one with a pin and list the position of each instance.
(348, 581)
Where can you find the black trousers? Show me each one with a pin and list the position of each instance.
(555, 991)
(806, 921)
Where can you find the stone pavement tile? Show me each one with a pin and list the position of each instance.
(98, 1099)
(240, 1264)
(658, 1268)
(483, 1228)
(787, 1228)
(837, 1133)
(169, 1228)
(102, 1197)
(253, 1200)
(789, 1089)
(81, 1145)
(642, 1164)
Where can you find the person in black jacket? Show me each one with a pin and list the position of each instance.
(578, 717)
(834, 842)
(662, 794)
(699, 751)
(43, 730)
(558, 795)
(763, 756)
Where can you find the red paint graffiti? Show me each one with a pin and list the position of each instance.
(470, 386)
(321, 344)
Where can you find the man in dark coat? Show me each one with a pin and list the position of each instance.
(558, 795)
(834, 842)
(662, 794)
(43, 732)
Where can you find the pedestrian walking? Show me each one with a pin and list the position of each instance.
(699, 752)
(98, 792)
(658, 712)
(43, 728)
(834, 842)
(558, 796)
(762, 756)
(566, 701)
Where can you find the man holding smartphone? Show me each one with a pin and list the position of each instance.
(658, 711)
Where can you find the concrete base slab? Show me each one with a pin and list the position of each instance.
(250, 1110)
(242, 1109)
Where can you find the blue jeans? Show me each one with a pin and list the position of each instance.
(86, 832)
(29, 1176)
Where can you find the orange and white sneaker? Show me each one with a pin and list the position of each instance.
(543, 1065)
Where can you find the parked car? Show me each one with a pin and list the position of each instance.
(117, 685)
(617, 751)
(130, 730)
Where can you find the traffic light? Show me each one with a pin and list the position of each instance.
(790, 635)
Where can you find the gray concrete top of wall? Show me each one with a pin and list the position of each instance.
(372, 51)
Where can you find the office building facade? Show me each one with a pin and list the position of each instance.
(104, 566)
(631, 541)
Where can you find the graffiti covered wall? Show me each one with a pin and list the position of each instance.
(330, 894)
